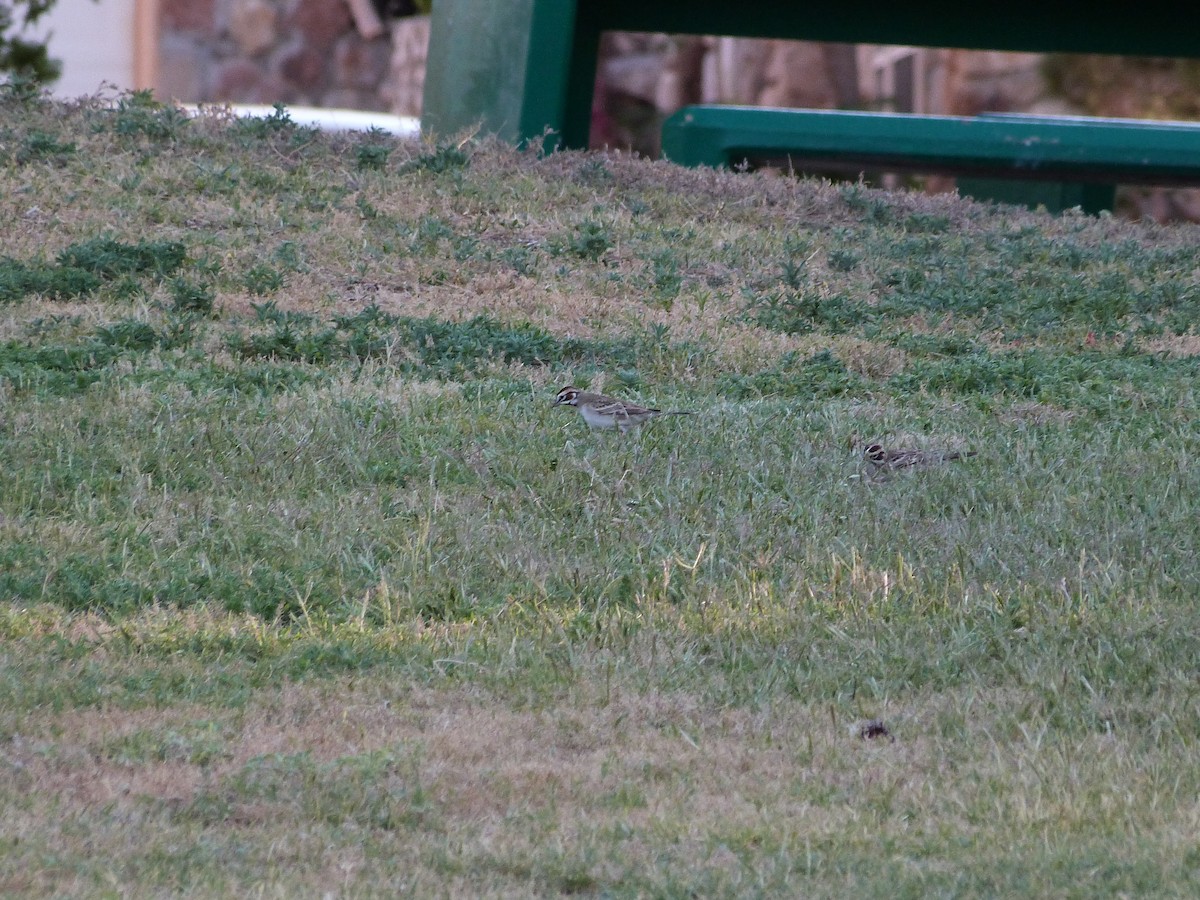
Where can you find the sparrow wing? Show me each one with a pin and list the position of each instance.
(622, 410)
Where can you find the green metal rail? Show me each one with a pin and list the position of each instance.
(1056, 161)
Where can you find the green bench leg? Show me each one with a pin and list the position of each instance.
(475, 71)
(511, 68)
(1056, 196)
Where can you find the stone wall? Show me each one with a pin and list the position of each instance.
(669, 72)
(405, 84)
(298, 52)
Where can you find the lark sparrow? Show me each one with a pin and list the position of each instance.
(600, 411)
(900, 459)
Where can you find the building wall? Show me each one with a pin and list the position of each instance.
(94, 42)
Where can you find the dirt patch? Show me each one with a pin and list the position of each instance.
(1178, 345)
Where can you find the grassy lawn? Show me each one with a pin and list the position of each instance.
(306, 588)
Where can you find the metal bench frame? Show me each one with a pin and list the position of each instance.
(525, 69)
(1057, 161)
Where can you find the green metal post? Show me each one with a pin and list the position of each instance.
(552, 51)
(503, 67)
(476, 74)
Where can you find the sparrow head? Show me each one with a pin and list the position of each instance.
(876, 453)
(568, 396)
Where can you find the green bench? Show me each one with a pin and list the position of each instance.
(1057, 161)
(525, 69)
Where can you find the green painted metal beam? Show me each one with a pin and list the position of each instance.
(1033, 147)
(1058, 162)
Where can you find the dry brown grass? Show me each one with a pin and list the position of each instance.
(602, 761)
(1178, 345)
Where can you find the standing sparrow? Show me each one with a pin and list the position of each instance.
(600, 411)
(883, 459)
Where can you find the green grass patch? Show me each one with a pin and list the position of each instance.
(422, 346)
(86, 267)
(444, 158)
(138, 114)
(41, 146)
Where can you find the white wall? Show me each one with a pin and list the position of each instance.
(94, 42)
